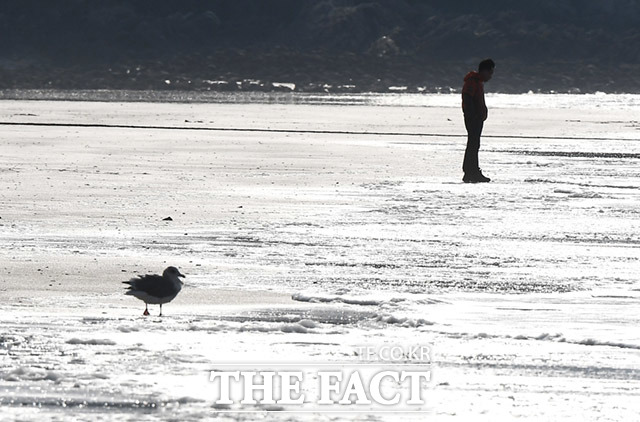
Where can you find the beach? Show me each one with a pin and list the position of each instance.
(310, 226)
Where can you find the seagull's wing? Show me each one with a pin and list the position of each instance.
(153, 285)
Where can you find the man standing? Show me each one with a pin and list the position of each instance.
(475, 113)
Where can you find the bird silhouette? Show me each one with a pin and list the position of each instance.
(156, 289)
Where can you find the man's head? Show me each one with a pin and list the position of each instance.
(485, 69)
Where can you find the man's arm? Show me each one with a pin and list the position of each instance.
(470, 108)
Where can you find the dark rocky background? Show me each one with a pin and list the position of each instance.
(335, 45)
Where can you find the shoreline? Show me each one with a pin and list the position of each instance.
(590, 101)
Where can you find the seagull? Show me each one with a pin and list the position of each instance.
(156, 289)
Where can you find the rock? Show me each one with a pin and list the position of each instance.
(384, 46)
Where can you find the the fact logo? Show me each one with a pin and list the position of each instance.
(385, 378)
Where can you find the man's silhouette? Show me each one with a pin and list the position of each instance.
(475, 113)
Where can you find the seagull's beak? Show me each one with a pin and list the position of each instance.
(181, 275)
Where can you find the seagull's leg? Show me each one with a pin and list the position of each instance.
(146, 310)
(160, 310)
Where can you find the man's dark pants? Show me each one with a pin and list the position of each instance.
(474, 127)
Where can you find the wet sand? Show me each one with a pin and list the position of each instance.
(526, 287)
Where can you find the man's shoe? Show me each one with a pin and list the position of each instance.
(476, 178)
(481, 178)
(468, 178)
